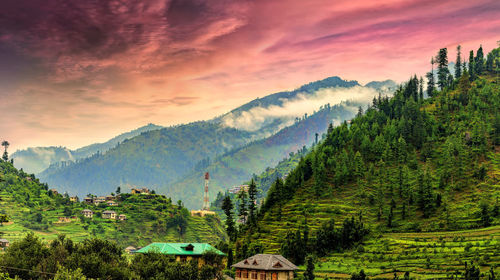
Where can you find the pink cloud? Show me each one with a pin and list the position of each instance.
(120, 58)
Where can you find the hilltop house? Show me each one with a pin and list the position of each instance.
(182, 251)
(73, 199)
(140, 191)
(109, 214)
(88, 200)
(265, 267)
(109, 197)
(54, 191)
(112, 203)
(4, 243)
(88, 213)
(122, 217)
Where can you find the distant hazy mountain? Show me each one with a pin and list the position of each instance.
(171, 159)
(385, 86)
(35, 160)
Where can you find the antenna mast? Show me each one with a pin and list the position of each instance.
(206, 201)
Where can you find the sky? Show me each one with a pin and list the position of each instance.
(77, 72)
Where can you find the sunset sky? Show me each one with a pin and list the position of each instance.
(75, 72)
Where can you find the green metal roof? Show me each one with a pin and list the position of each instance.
(178, 249)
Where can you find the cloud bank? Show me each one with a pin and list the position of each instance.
(255, 118)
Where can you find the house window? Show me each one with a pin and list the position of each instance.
(245, 274)
(262, 275)
(183, 258)
(238, 273)
(254, 275)
(275, 276)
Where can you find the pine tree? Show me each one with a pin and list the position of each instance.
(242, 206)
(479, 61)
(227, 206)
(458, 63)
(309, 273)
(421, 89)
(252, 199)
(443, 71)
(430, 80)
(472, 70)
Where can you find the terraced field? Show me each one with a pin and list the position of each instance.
(430, 255)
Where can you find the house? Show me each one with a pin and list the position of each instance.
(73, 199)
(54, 191)
(64, 220)
(100, 199)
(265, 267)
(109, 215)
(4, 243)
(202, 213)
(140, 191)
(88, 213)
(238, 189)
(109, 198)
(182, 251)
(122, 217)
(88, 200)
(112, 203)
(130, 249)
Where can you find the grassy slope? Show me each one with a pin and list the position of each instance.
(147, 216)
(406, 254)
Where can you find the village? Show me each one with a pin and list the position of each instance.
(259, 266)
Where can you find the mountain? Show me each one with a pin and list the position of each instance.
(172, 159)
(412, 185)
(35, 160)
(238, 165)
(383, 86)
(30, 206)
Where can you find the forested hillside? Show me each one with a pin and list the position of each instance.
(237, 165)
(409, 164)
(36, 160)
(174, 159)
(30, 206)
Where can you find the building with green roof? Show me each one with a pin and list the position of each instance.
(181, 251)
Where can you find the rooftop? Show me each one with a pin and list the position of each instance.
(179, 249)
(266, 262)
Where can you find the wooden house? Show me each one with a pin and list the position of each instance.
(88, 200)
(265, 267)
(88, 213)
(109, 214)
(4, 243)
(122, 217)
(74, 199)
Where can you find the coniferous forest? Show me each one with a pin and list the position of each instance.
(410, 184)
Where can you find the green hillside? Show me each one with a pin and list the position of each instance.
(422, 174)
(31, 207)
(239, 164)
